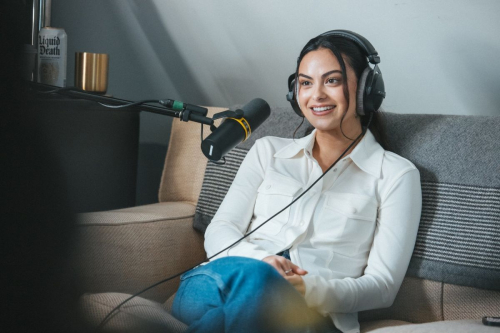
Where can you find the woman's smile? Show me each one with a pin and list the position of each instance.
(322, 110)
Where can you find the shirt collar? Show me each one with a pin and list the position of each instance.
(367, 155)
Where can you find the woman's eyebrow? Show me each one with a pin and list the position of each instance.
(324, 75)
(331, 72)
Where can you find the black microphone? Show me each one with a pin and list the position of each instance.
(233, 130)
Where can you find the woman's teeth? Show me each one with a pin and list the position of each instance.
(324, 108)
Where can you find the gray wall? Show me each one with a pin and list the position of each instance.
(437, 56)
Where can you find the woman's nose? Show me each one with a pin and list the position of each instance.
(319, 92)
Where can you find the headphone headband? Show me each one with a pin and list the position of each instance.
(365, 45)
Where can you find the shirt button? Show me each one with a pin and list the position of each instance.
(301, 223)
(334, 169)
(268, 187)
(354, 210)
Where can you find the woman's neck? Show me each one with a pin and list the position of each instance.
(328, 146)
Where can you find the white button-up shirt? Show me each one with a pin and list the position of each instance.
(354, 231)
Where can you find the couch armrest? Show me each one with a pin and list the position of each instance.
(127, 250)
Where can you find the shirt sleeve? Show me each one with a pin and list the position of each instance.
(395, 234)
(233, 217)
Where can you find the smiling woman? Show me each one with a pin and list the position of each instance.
(331, 253)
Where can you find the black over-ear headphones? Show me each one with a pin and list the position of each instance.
(371, 90)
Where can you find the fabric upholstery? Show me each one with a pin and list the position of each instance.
(458, 235)
(129, 249)
(469, 303)
(450, 326)
(418, 301)
(448, 148)
(458, 161)
(137, 315)
(139, 214)
(169, 303)
(373, 326)
(185, 163)
(216, 183)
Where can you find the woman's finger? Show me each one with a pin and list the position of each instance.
(281, 264)
(297, 270)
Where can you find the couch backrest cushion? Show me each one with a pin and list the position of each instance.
(458, 158)
(459, 161)
(185, 163)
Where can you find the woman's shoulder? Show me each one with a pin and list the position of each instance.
(394, 165)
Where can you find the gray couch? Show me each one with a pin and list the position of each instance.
(454, 276)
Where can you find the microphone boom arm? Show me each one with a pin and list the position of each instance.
(171, 108)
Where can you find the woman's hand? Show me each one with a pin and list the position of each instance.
(298, 283)
(284, 266)
(291, 272)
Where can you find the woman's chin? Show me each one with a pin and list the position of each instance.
(325, 127)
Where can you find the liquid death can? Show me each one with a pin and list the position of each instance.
(52, 56)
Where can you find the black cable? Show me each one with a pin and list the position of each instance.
(363, 132)
(56, 91)
(219, 163)
(131, 104)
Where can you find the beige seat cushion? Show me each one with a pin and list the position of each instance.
(126, 250)
(414, 291)
(469, 303)
(449, 326)
(137, 315)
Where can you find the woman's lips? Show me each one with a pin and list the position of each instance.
(322, 110)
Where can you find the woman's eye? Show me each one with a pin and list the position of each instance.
(333, 80)
(305, 83)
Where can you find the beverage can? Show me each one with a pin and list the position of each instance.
(52, 56)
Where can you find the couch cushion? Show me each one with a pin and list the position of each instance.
(459, 230)
(380, 325)
(449, 326)
(140, 214)
(137, 315)
(142, 245)
(418, 301)
(469, 303)
(185, 164)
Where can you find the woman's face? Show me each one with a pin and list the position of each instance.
(321, 95)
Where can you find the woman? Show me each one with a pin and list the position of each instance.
(343, 247)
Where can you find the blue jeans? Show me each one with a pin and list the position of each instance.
(236, 294)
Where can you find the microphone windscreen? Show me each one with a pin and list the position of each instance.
(231, 132)
(256, 112)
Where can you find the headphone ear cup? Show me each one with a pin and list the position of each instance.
(377, 93)
(291, 96)
(360, 94)
(374, 91)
